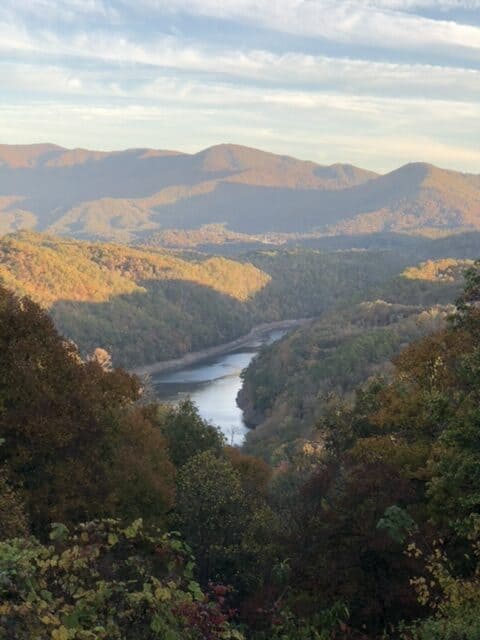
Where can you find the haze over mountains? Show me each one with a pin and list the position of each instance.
(228, 191)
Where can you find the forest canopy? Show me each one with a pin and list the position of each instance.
(122, 518)
(143, 305)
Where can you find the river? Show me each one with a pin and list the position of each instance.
(213, 385)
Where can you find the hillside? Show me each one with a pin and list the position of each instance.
(145, 305)
(48, 269)
(289, 385)
(121, 195)
(416, 197)
(224, 194)
(141, 305)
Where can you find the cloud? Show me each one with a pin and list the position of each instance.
(196, 94)
(374, 24)
(85, 82)
(385, 24)
(318, 136)
(290, 69)
(438, 5)
(59, 10)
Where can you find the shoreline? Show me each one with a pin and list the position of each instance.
(195, 357)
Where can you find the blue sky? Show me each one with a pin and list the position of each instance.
(374, 82)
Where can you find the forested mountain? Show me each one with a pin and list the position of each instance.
(144, 305)
(288, 387)
(226, 193)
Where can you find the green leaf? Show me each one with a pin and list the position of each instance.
(397, 523)
(112, 539)
(71, 621)
(157, 625)
(195, 590)
(133, 529)
(59, 532)
(162, 594)
(46, 595)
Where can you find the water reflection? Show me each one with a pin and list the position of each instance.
(213, 385)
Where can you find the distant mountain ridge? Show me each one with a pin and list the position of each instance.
(127, 196)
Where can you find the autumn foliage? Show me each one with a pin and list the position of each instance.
(126, 520)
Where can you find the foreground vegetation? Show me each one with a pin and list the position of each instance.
(370, 530)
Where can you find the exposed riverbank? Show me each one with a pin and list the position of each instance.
(195, 357)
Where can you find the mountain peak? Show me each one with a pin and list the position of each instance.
(125, 195)
(26, 155)
(235, 157)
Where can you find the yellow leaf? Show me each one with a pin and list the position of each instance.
(162, 594)
(60, 634)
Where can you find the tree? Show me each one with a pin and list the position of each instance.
(103, 358)
(13, 519)
(187, 433)
(339, 554)
(142, 476)
(255, 474)
(58, 417)
(453, 598)
(211, 514)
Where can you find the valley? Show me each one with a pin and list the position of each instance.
(262, 358)
(256, 334)
(240, 320)
(156, 311)
(213, 381)
(144, 305)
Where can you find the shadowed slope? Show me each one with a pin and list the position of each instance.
(129, 195)
(149, 305)
(92, 194)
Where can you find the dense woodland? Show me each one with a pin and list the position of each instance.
(288, 386)
(144, 305)
(122, 518)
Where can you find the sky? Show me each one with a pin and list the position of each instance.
(376, 83)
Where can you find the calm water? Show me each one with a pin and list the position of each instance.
(213, 385)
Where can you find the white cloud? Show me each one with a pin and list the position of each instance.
(288, 70)
(371, 131)
(378, 23)
(91, 85)
(439, 5)
(388, 24)
(59, 10)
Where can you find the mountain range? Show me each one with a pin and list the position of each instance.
(227, 193)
